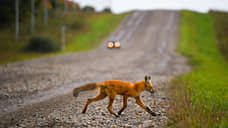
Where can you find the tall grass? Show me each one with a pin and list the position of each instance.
(221, 27)
(200, 98)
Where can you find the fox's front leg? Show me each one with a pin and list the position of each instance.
(141, 104)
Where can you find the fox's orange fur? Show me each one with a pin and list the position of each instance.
(111, 88)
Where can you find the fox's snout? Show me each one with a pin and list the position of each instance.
(152, 90)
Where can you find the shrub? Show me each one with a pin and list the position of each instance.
(42, 44)
(107, 10)
(88, 9)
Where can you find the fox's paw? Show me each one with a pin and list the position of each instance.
(116, 115)
(119, 113)
(153, 113)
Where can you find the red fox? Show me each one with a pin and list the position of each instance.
(111, 88)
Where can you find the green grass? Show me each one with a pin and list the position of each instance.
(200, 97)
(84, 32)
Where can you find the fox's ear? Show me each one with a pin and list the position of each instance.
(145, 78)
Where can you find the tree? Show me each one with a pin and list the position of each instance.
(7, 8)
(54, 4)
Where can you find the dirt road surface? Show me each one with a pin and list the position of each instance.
(37, 93)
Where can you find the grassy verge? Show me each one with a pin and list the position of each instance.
(84, 32)
(200, 97)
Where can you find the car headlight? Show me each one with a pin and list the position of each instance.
(110, 44)
(117, 44)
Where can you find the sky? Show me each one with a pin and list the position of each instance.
(119, 6)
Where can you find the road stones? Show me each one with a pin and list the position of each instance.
(148, 124)
(114, 126)
(163, 104)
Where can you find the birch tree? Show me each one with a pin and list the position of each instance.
(32, 15)
(17, 18)
(45, 12)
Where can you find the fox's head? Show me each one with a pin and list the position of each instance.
(148, 84)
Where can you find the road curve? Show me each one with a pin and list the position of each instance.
(37, 92)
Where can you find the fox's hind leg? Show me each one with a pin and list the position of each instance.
(111, 100)
(100, 96)
(124, 105)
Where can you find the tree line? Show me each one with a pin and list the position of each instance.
(7, 9)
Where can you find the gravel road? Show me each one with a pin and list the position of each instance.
(37, 93)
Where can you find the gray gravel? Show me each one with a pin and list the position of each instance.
(37, 93)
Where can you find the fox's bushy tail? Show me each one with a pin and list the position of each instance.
(85, 87)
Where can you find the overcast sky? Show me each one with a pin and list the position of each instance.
(119, 6)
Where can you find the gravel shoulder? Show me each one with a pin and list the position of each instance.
(37, 93)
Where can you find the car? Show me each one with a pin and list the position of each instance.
(113, 44)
